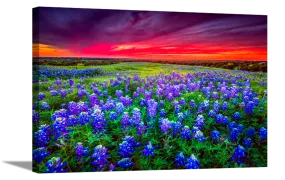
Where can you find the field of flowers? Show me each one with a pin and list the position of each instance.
(147, 116)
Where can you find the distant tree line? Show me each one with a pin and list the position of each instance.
(254, 66)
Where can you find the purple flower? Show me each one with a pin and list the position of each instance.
(248, 109)
(234, 133)
(211, 114)
(93, 99)
(162, 113)
(136, 116)
(100, 157)
(120, 108)
(63, 93)
(215, 135)
(39, 154)
(165, 125)
(239, 155)
(112, 167)
(247, 142)
(125, 163)
(41, 96)
(236, 116)
(219, 118)
(262, 133)
(36, 117)
(113, 115)
(200, 136)
(99, 121)
(250, 132)
(84, 118)
(71, 82)
(42, 136)
(192, 163)
(141, 128)
(119, 93)
(148, 150)
(80, 152)
(126, 121)
(186, 133)
(55, 165)
(192, 104)
(45, 106)
(180, 160)
(225, 106)
(176, 126)
(199, 121)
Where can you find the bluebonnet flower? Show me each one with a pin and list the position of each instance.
(126, 121)
(225, 120)
(180, 160)
(216, 106)
(100, 157)
(119, 93)
(41, 96)
(200, 136)
(113, 115)
(182, 102)
(242, 104)
(250, 132)
(236, 116)
(80, 152)
(71, 82)
(112, 167)
(63, 93)
(219, 118)
(247, 142)
(99, 121)
(126, 149)
(36, 117)
(162, 113)
(165, 125)
(215, 95)
(192, 163)
(125, 163)
(141, 128)
(192, 104)
(151, 108)
(225, 106)
(176, 126)
(186, 133)
(180, 116)
(177, 109)
(45, 106)
(72, 107)
(148, 150)
(136, 116)
(239, 155)
(262, 133)
(93, 99)
(55, 165)
(215, 135)
(211, 114)
(72, 120)
(199, 121)
(127, 101)
(39, 154)
(234, 133)
(42, 136)
(84, 118)
(59, 127)
(53, 93)
(120, 108)
(248, 109)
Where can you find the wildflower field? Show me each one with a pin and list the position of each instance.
(147, 116)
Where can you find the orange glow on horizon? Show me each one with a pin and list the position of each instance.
(146, 51)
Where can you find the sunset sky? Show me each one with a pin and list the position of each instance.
(68, 32)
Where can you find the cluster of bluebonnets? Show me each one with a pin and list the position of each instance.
(211, 119)
(43, 73)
